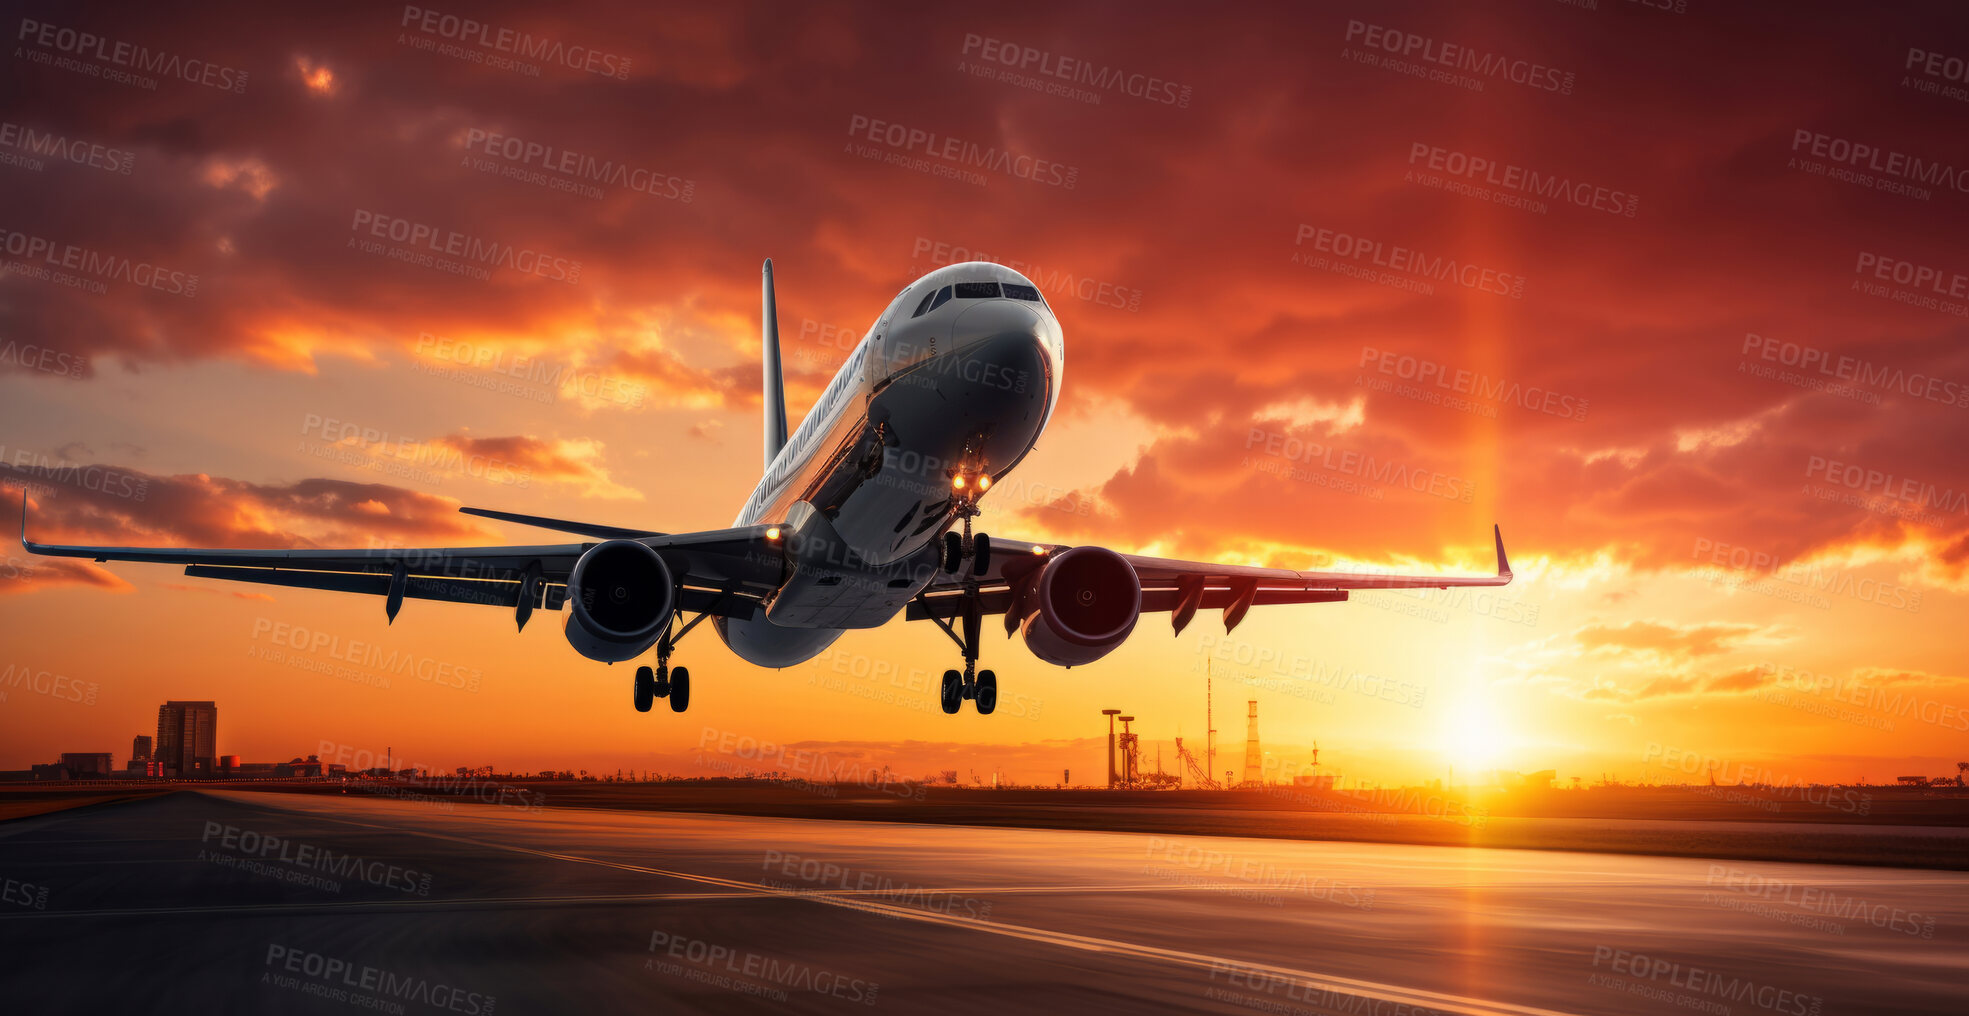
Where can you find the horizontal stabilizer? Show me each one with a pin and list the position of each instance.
(563, 525)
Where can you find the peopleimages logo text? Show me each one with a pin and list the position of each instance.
(1860, 155)
(90, 46)
(968, 154)
(1413, 46)
(1044, 63)
(419, 237)
(453, 28)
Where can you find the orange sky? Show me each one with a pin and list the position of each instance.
(1679, 299)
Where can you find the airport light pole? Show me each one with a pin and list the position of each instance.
(1110, 714)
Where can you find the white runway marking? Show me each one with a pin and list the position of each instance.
(1461, 1004)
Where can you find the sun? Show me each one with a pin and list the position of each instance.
(1477, 735)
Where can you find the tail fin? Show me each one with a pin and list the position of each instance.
(775, 389)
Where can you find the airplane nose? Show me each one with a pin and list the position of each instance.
(994, 319)
(996, 326)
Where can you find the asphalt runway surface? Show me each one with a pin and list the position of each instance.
(216, 901)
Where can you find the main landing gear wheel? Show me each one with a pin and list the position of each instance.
(985, 694)
(953, 691)
(680, 689)
(645, 689)
(955, 551)
(662, 682)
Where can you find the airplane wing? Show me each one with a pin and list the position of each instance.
(725, 572)
(1180, 587)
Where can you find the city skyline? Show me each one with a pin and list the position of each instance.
(729, 757)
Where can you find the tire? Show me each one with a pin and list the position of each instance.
(987, 692)
(981, 558)
(680, 689)
(953, 691)
(645, 690)
(953, 552)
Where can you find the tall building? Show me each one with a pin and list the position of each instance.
(187, 737)
(1254, 760)
(86, 763)
(140, 748)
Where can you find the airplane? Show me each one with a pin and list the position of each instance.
(864, 511)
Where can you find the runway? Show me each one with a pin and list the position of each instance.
(227, 901)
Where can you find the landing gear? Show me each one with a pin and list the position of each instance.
(975, 547)
(645, 689)
(954, 551)
(966, 484)
(980, 686)
(663, 683)
(680, 689)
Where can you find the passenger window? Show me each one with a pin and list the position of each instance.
(924, 306)
(1018, 292)
(943, 297)
(977, 290)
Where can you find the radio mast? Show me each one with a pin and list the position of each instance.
(1209, 725)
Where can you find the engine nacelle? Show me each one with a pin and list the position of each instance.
(619, 598)
(1085, 603)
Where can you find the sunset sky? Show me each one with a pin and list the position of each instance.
(1680, 299)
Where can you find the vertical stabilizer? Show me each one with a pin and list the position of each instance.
(775, 389)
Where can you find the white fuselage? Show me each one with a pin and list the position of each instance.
(866, 484)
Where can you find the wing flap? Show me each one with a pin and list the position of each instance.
(997, 601)
(505, 563)
(1184, 587)
(489, 593)
(1160, 571)
(494, 593)
(723, 572)
(1014, 559)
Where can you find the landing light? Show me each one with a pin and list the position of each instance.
(772, 532)
(984, 482)
(957, 482)
(1039, 551)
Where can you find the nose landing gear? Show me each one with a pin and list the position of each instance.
(966, 486)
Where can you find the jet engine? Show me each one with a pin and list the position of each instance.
(1083, 604)
(620, 597)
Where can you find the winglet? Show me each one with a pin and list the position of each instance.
(1503, 563)
(24, 544)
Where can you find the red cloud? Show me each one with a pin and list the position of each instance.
(1661, 385)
